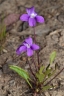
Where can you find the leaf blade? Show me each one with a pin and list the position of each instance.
(21, 72)
(41, 69)
(46, 87)
(52, 57)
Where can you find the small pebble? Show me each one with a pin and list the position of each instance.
(4, 50)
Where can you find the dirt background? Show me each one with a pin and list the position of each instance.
(50, 36)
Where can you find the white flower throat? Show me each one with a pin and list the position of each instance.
(33, 15)
(27, 45)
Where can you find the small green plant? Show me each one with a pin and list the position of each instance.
(41, 74)
(2, 35)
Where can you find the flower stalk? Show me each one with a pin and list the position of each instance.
(40, 73)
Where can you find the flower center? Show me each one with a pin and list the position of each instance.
(33, 15)
(27, 45)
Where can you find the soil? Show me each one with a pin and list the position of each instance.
(50, 36)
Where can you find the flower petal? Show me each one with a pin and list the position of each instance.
(29, 52)
(21, 49)
(35, 47)
(30, 10)
(24, 17)
(32, 22)
(29, 41)
(40, 19)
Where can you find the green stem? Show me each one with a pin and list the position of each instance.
(31, 69)
(37, 51)
(38, 60)
(34, 34)
(34, 41)
(34, 63)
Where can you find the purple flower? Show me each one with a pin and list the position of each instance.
(31, 17)
(27, 46)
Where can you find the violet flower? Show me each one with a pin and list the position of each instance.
(27, 46)
(31, 17)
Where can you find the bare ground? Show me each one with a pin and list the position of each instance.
(50, 36)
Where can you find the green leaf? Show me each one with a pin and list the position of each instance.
(2, 31)
(22, 73)
(47, 66)
(46, 87)
(52, 73)
(52, 56)
(48, 71)
(41, 69)
(40, 77)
